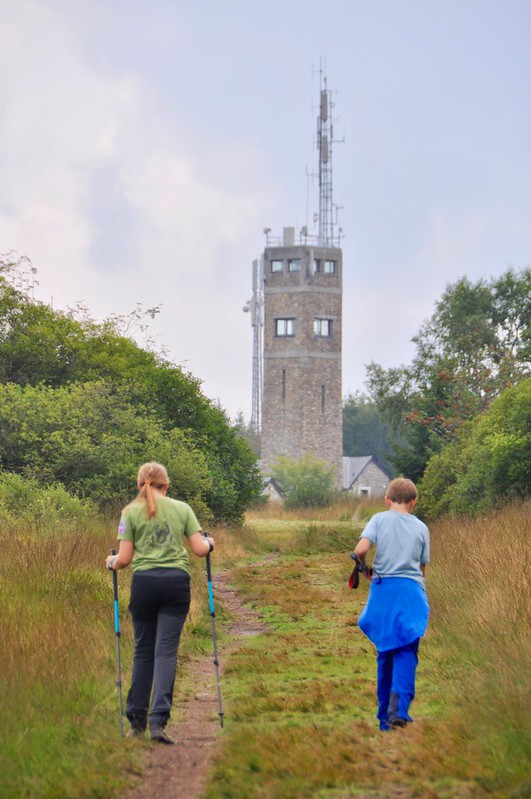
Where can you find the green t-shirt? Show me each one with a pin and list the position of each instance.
(158, 542)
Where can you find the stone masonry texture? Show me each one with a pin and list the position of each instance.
(302, 397)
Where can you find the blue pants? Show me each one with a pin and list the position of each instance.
(396, 683)
(160, 599)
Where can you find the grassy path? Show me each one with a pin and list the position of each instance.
(184, 769)
(301, 697)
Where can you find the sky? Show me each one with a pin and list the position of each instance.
(144, 147)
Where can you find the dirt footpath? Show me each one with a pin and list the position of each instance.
(183, 769)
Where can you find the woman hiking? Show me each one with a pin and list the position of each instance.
(152, 532)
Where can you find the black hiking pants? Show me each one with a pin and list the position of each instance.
(160, 600)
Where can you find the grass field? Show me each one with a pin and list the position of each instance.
(299, 698)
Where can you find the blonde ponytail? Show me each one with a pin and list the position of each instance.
(151, 474)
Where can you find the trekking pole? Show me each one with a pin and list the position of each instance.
(118, 660)
(214, 637)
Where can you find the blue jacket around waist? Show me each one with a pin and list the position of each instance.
(396, 613)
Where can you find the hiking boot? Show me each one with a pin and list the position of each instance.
(160, 735)
(135, 732)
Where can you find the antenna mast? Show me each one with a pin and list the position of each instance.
(256, 308)
(325, 135)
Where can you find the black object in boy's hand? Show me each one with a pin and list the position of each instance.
(360, 567)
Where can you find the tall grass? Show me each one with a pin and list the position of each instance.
(481, 612)
(57, 665)
(345, 509)
(58, 695)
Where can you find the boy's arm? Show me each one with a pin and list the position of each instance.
(362, 547)
(425, 554)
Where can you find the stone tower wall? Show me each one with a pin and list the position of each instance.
(302, 398)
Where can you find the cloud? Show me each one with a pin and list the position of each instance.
(61, 120)
(111, 202)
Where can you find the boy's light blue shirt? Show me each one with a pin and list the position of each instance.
(402, 544)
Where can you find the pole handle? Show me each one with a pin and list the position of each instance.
(115, 590)
(207, 559)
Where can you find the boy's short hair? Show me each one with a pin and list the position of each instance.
(401, 490)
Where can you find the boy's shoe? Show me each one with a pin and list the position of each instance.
(160, 735)
(397, 723)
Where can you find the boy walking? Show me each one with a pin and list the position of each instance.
(396, 614)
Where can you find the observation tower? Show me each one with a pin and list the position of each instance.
(296, 314)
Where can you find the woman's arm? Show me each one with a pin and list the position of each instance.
(201, 545)
(123, 558)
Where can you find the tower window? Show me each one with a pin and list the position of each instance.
(322, 399)
(322, 328)
(285, 327)
(329, 267)
(283, 384)
(277, 266)
(316, 264)
(294, 265)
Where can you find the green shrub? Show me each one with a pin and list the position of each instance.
(92, 440)
(489, 464)
(24, 501)
(306, 482)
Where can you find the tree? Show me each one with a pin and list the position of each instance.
(476, 344)
(248, 433)
(306, 482)
(59, 350)
(488, 464)
(363, 431)
(91, 440)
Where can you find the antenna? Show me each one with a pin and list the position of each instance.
(325, 139)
